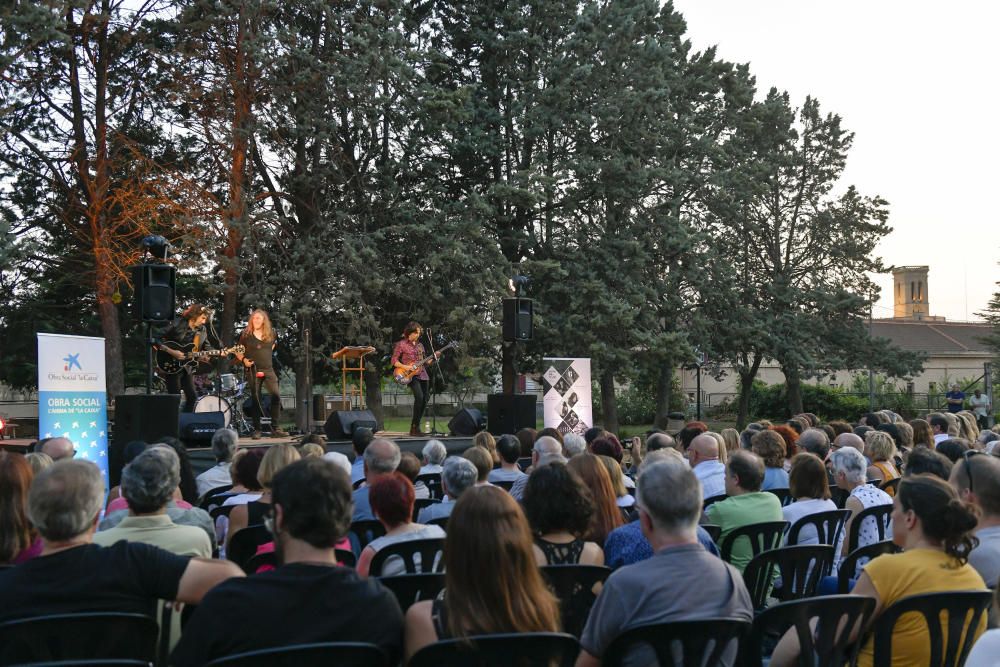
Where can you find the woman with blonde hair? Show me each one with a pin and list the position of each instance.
(731, 437)
(485, 440)
(922, 434)
(253, 513)
(606, 516)
(881, 449)
(492, 582)
(615, 474)
(968, 428)
(259, 341)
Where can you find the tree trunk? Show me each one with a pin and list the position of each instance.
(114, 366)
(793, 388)
(608, 404)
(747, 377)
(373, 393)
(664, 382)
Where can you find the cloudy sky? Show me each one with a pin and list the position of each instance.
(917, 84)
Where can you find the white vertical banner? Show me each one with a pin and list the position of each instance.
(566, 395)
(72, 394)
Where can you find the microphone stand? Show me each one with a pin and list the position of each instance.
(430, 387)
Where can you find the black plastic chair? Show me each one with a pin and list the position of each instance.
(342, 654)
(505, 485)
(213, 496)
(346, 557)
(703, 642)
(258, 561)
(956, 606)
(709, 501)
(849, 566)
(431, 553)
(829, 526)
(244, 542)
(838, 496)
(366, 531)
(432, 480)
(526, 649)
(358, 484)
(762, 536)
(784, 495)
(87, 635)
(524, 463)
(714, 531)
(412, 588)
(892, 484)
(827, 643)
(800, 567)
(442, 522)
(881, 514)
(574, 586)
(421, 503)
(221, 510)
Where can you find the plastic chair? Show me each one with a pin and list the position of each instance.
(346, 557)
(524, 463)
(829, 526)
(431, 553)
(574, 586)
(342, 654)
(244, 542)
(882, 515)
(890, 486)
(825, 644)
(955, 605)
(703, 642)
(214, 495)
(366, 531)
(838, 496)
(714, 531)
(763, 536)
(221, 510)
(710, 501)
(258, 561)
(800, 567)
(432, 480)
(412, 588)
(421, 503)
(87, 635)
(505, 485)
(526, 649)
(442, 522)
(849, 566)
(784, 495)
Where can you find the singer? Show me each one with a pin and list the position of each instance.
(259, 340)
(407, 353)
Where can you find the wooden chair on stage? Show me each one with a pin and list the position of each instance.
(352, 360)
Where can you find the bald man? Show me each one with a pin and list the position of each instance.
(703, 455)
(849, 440)
(59, 448)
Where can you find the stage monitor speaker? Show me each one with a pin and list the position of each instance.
(147, 417)
(319, 408)
(197, 428)
(467, 421)
(340, 425)
(153, 285)
(517, 319)
(508, 413)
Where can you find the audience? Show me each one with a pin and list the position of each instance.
(546, 450)
(487, 533)
(617, 477)
(810, 490)
(986, 649)
(459, 476)
(977, 481)
(38, 461)
(573, 444)
(57, 448)
(253, 513)
(360, 440)
(815, 441)
(770, 447)
(558, 507)
(19, 541)
(132, 449)
(790, 437)
(922, 434)
(485, 440)
(224, 444)
(243, 472)
(480, 457)
(188, 485)
(923, 459)
(881, 449)
(434, 453)
(606, 516)
(690, 431)
(939, 427)
(703, 456)
(392, 499)
(381, 458)
(409, 466)
(527, 436)
(311, 450)
(509, 449)
(953, 448)
(850, 474)
(308, 598)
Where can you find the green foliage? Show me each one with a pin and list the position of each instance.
(771, 402)
(635, 406)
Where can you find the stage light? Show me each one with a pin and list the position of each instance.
(157, 246)
(518, 283)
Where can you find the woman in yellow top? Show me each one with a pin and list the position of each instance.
(934, 528)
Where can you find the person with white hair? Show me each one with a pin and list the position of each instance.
(573, 444)
(434, 453)
(850, 472)
(545, 451)
(457, 476)
(224, 443)
(381, 458)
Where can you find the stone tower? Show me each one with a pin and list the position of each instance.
(910, 293)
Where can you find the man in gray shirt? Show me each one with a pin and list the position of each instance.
(977, 480)
(458, 475)
(681, 582)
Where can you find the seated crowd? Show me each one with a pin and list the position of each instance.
(661, 519)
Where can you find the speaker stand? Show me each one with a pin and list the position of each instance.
(430, 388)
(149, 358)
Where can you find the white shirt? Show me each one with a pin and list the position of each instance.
(713, 478)
(214, 477)
(986, 651)
(801, 508)
(940, 437)
(979, 405)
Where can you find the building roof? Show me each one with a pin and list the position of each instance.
(935, 338)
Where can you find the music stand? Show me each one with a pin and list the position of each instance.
(355, 353)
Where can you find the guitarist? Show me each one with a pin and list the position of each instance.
(405, 355)
(260, 340)
(188, 329)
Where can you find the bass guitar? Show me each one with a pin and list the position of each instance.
(403, 375)
(168, 365)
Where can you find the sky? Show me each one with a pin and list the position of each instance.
(917, 84)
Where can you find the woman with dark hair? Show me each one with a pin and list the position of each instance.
(558, 507)
(922, 434)
(132, 450)
(810, 489)
(487, 533)
(391, 498)
(934, 529)
(790, 437)
(18, 540)
(188, 485)
(253, 513)
(770, 446)
(407, 353)
(606, 516)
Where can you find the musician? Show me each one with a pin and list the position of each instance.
(405, 356)
(260, 340)
(188, 329)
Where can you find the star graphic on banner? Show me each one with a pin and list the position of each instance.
(101, 434)
(93, 424)
(75, 425)
(103, 453)
(66, 435)
(72, 360)
(48, 435)
(83, 435)
(93, 443)
(57, 425)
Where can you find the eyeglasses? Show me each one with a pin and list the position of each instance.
(968, 454)
(269, 522)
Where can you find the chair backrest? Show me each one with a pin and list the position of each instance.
(505, 485)
(366, 531)
(714, 499)
(524, 463)
(244, 542)
(430, 550)
(703, 642)
(215, 496)
(432, 480)
(825, 642)
(421, 503)
(962, 610)
(346, 557)
(103, 635)
(574, 586)
(714, 531)
(221, 510)
(829, 526)
(526, 649)
(880, 514)
(849, 566)
(784, 495)
(257, 561)
(441, 521)
(763, 536)
(890, 486)
(800, 567)
(342, 654)
(412, 588)
(839, 496)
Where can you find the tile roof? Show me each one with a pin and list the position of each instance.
(934, 337)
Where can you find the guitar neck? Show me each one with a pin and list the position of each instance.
(427, 360)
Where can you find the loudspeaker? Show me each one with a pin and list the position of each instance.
(340, 424)
(154, 292)
(146, 417)
(508, 413)
(517, 319)
(197, 428)
(468, 421)
(319, 408)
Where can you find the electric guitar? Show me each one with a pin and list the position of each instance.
(403, 375)
(168, 365)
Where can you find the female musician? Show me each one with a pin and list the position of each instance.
(405, 356)
(188, 329)
(259, 340)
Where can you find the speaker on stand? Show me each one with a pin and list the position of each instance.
(146, 417)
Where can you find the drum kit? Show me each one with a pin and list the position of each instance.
(232, 393)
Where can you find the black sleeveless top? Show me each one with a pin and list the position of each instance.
(256, 511)
(561, 554)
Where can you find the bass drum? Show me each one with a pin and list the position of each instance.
(215, 404)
